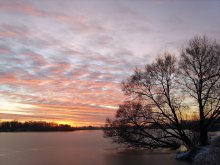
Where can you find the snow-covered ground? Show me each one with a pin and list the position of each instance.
(209, 155)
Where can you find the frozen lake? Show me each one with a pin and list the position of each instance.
(73, 148)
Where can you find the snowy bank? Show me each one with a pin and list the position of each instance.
(209, 155)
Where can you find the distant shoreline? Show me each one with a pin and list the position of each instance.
(41, 126)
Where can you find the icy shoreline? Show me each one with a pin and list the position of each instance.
(208, 155)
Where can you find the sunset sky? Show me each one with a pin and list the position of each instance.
(63, 60)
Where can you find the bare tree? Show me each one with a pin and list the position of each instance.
(159, 107)
(154, 116)
(200, 72)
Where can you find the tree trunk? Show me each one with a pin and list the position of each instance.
(203, 129)
(204, 137)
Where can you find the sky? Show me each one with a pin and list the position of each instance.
(63, 60)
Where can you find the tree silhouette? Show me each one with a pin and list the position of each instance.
(200, 72)
(158, 95)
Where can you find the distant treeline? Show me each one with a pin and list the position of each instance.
(42, 126)
(35, 126)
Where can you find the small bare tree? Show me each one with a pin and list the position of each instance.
(154, 116)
